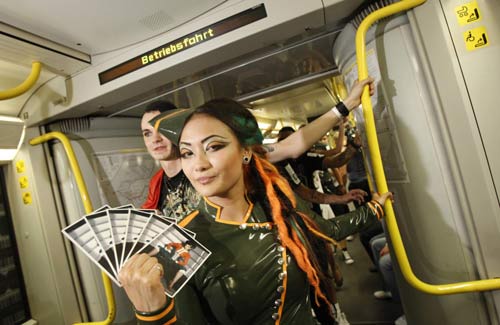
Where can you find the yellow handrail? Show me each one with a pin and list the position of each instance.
(75, 167)
(399, 250)
(26, 85)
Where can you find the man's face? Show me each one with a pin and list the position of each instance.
(159, 147)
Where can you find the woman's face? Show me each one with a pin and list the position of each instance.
(211, 157)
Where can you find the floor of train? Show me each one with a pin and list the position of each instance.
(356, 295)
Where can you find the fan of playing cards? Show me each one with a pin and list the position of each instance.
(110, 236)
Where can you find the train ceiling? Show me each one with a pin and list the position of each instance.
(95, 26)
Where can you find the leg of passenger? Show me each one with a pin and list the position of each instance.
(376, 245)
(366, 235)
(385, 266)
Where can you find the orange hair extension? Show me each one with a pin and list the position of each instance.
(293, 244)
(311, 226)
(272, 172)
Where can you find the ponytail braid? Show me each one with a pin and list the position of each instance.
(270, 177)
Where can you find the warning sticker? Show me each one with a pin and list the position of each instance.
(468, 13)
(476, 38)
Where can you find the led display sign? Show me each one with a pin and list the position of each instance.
(185, 42)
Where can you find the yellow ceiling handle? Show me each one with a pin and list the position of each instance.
(82, 188)
(26, 85)
(399, 250)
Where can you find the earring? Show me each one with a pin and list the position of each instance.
(246, 160)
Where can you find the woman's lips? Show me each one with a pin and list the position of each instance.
(205, 180)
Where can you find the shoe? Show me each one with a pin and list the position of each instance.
(341, 319)
(381, 294)
(347, 257)
(401, 320)
(349, 238)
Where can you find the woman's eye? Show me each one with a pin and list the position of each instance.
(186, 154)
(215, 147)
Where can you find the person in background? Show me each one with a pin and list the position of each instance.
(263, 262)
(357, 176)
(170, 192)
(382, 256)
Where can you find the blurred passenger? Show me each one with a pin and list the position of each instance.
(357, 176)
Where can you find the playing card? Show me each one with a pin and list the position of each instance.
(136, 226)
(180, 256)
(119, 219)
(110, 236)
(100, 224)
(81, 235)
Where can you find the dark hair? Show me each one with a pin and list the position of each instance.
(189, 242)
(285, 132)
(160, 106)
(236, 116)
(286, 129)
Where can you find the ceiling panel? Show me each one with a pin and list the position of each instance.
(99, 26)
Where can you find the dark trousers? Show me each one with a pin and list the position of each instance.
(373, 230)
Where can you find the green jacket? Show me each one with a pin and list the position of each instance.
(249, 278)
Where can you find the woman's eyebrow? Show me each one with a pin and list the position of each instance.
(210, 137)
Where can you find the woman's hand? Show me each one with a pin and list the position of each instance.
(140, 277)
(353, 195)
(353, 100)
(381, 198)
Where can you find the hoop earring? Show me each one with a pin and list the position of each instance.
(246, 160)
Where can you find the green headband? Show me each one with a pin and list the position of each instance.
(171, 123)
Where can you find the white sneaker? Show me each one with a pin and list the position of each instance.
(347, 257)
(349, 238)
(401, 320)
(381, 294)
(341, 319)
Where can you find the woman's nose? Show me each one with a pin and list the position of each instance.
(202, 163)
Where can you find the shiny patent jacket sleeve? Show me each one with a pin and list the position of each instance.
(347, 224)
(343, 225)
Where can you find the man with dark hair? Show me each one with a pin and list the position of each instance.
(169, 190)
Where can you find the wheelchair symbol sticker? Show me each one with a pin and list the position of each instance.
(476, 38)
(468, 13)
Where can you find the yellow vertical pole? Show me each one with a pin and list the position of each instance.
(399, 250)
(82, 188)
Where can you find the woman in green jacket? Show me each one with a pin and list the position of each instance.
(263, 263)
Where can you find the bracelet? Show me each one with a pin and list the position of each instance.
(374, 209)
(379, 207)
(342, 109)
(337, 113)
(152, 313)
